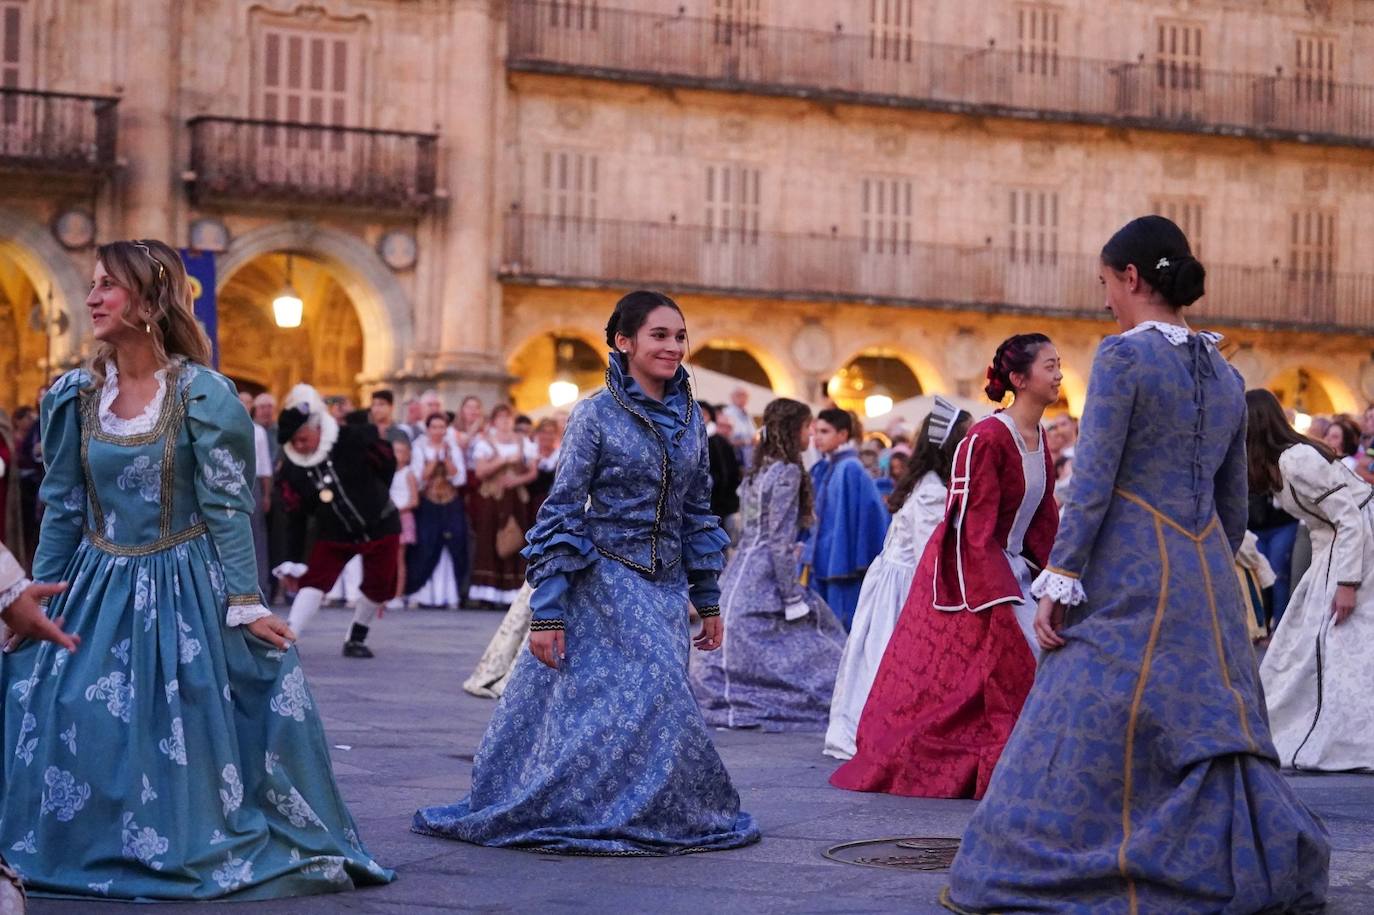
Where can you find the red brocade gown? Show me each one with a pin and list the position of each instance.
(961, 662)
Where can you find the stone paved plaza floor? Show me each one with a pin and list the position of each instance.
(404, 734)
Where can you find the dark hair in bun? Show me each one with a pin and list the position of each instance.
(633, 310)
(1016, 354)
(1162, 256)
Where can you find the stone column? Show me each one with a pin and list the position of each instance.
(149, 122)
(467, 324)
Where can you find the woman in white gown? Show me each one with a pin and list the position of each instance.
(1318, 673)
(919, 503)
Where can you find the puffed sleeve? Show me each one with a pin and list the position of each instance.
(703, 541)
(780, 508)
(1106, 420)
(973, 573)
(1327, 489)
(1232, 487)
(63, 492)
(222, 442)
(558, 542)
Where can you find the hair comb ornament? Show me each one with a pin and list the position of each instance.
(942, 420)
(1162, 263)
(161, 270)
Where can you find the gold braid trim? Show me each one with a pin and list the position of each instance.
(147, 549)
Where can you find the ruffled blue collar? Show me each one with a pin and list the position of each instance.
(672, 414)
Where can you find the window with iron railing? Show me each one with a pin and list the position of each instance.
(13, 54)
(1314, 70)
(578, 15)
(736, 23)
(569, 184)
(1034, 227)
(1186, 213)
(1178, 70)
(307, 77)
(885, 207)
(1312, 244)
(1037, 40)
(891, 30)
(732, 204)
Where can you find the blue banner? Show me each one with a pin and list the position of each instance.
(200, 270)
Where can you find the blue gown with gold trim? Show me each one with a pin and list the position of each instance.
(1141, 776)
(174, 756)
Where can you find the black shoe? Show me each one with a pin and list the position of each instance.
(356, 650)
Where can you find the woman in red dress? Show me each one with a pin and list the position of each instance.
(962, 659)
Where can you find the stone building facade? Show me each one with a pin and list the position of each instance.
(859, 193)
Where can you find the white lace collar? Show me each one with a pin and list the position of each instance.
(1177, 334)
(329, 434)
(141, 424)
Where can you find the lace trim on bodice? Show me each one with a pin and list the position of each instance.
(141, 424)
(1177, 334)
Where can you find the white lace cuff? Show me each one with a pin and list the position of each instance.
(11, 594)
(1061, 588)
(293, 569)
(243, 614)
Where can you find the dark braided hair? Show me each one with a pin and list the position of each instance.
(1015, 355)
(1161, 255)
(780, 440)
(929, 457)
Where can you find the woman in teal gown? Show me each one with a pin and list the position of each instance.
(178, 754)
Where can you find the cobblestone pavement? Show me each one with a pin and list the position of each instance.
(404, 734)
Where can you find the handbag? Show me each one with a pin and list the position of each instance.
(510, 539)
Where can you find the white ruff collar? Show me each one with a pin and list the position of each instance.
(329, 434)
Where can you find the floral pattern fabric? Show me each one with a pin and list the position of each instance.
(213, 792)
(609, 754)
(771, 672)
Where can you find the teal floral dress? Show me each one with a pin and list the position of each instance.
(175, 755)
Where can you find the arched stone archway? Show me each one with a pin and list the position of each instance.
(775, 376)
(930, 378)
(383, 307)
(1334, 395)
(533, 363)
(30, 244)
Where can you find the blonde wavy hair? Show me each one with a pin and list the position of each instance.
(160, 303)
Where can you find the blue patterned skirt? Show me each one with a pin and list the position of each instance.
(609, 755)
(1141, 776)
(170, 757)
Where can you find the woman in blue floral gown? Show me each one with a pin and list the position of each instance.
(597, 746)
(178, 754)
(1141, 776)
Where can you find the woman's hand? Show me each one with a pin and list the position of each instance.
(1049, 619)
(712, 632)
(25, 619)
(549, 647)
(1343, 605)
(273, 630)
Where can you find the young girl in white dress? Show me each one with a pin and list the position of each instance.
(919, 506)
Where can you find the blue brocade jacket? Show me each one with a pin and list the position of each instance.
(633, 485)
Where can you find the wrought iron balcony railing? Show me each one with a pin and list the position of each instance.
(57, 132)
(241, 158)
(866, 69)
(901, 273)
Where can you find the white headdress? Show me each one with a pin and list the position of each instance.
(942, 420)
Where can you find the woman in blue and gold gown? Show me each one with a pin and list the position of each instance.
(1141, 776)
(597, 746)
(178, 754)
